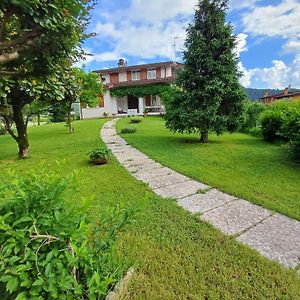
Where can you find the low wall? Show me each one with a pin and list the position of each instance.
(92, 113)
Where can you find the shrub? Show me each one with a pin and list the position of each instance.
(271, 122)
(135, 120)
(128, 130)
(255, 131)
(250, 118)
(49, 250)
(272, 119)
(99, 153)
(281, 121)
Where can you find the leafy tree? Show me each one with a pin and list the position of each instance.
(211, 97)
(39, 40)
(36, 35)
(91, 87)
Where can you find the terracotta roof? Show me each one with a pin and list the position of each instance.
(166, 80)
(282, 95)
(144, 66)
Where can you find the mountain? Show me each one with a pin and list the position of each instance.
(255, 94)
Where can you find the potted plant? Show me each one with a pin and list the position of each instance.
(99, 156)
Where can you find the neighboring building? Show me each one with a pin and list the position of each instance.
(162, 73)
(267, 99)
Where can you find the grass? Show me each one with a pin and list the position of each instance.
(239, 164)
(176, 255)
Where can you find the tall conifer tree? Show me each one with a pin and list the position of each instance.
(210, 96)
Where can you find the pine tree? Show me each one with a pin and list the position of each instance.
(210, 96)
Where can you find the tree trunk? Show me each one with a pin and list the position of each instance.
(39, 119)
(22, 138)
(204, 137)
(69, 120)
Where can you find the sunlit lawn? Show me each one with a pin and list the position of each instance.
(238, 164)
(176, 255)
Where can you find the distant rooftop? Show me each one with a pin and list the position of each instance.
(122, 65)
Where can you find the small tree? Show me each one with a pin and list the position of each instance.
(91, 87)
(211, 96)
(37, 39)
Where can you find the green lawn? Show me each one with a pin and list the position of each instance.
(239, 164)
(176, 255)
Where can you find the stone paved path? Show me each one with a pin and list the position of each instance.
(273, 235)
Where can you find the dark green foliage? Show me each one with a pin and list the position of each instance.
(250, 119)
(49, 250)
(272, 119)
(128, 130)
(211, 96)
(135, 120)
(38, 35)
(139, 91)
(99, 153)
(281, 121)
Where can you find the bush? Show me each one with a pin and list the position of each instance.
(99, 153)
(272, 119)
(255, 131)
(49, 250)
(281, 121)
(250, 118)
(135, 120)
(128, 130)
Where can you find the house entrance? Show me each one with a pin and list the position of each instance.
(133, 102)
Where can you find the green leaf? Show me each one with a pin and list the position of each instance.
(39, 282)
(21, 296)
(12, 284)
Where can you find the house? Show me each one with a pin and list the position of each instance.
(267, 99)
(125, 76)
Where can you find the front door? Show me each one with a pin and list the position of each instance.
(133, 102)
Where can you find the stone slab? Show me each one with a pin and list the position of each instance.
(235, 217)
(145, 174)
(161, 181)
(138, 168)
(180, 190)
(277, 238)
(201, 203)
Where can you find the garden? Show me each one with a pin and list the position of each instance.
(175, 254)
(73, 221)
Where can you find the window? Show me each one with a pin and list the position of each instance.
(155, 101)
(151, 74)
(135, 75)
(105, 78)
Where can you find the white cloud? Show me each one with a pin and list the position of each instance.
(270, 21)
(241, 4)
(147, 28)
(292, 46)
(280, 20)
(241, 43)
(279, 75)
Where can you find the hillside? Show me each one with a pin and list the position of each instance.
(255, 94)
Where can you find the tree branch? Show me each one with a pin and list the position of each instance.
(26, 37)
(7, 57)
(8, 127)
(8, 73)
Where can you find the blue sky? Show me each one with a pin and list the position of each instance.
(143, 31)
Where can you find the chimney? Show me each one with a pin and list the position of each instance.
(122, 63)
(286, 91)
